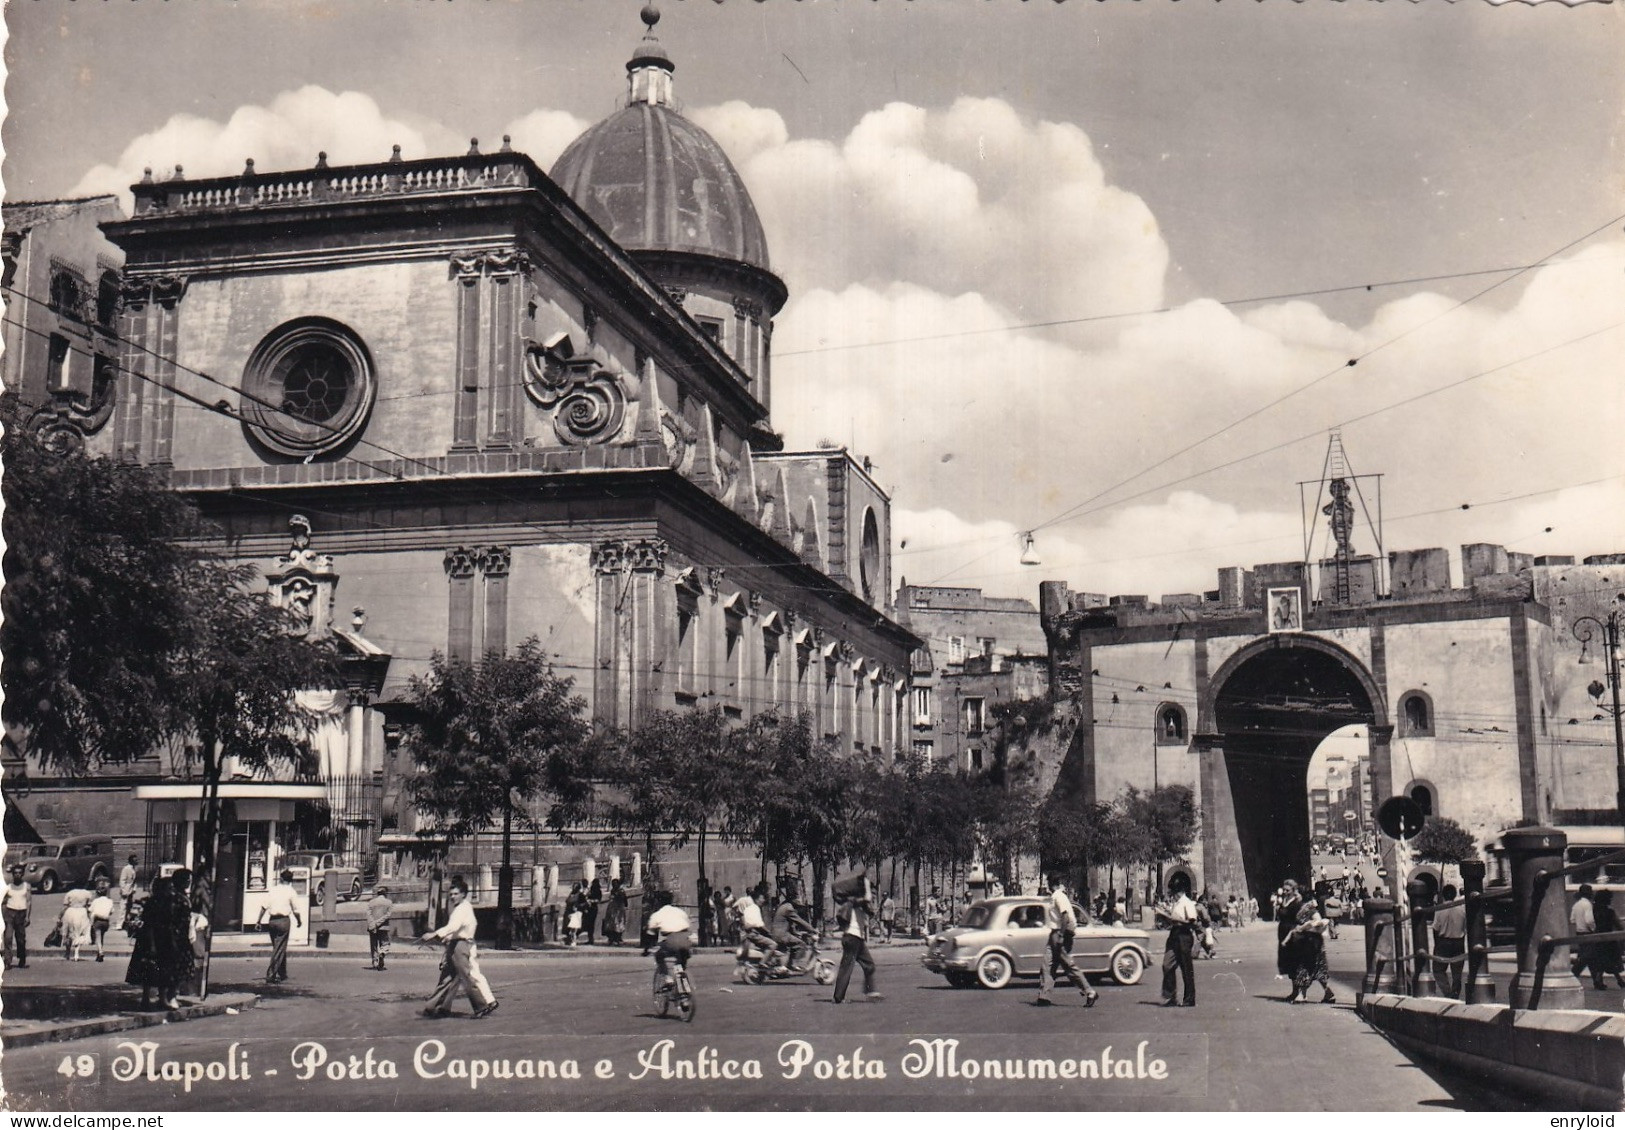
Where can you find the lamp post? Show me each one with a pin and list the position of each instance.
(1583, 631)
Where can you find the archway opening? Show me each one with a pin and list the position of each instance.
(1273, 712)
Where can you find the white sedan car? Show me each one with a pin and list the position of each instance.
(1005, 938)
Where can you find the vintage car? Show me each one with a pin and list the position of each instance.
(1003, 938)
(347, 883)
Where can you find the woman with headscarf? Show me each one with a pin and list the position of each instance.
(163, 958)
(1306, 942)
(1287, 901)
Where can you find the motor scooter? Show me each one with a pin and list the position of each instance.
(751, 971)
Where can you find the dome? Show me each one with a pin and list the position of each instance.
(655, 181)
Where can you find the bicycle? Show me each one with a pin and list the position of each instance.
(677, 990)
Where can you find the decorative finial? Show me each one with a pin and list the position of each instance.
(358, 619)
(473, 147)
(180, 173)
(650, 16)
(248, 167)
(507, 144)
(395, 154)
(321, 159)
(146, 175)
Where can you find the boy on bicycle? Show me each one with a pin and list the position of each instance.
(670, 926)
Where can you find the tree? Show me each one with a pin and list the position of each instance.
(1167, 816)
(125, 627)
(102, 566)
(677, 775)
(1442, 840)
(485, 737)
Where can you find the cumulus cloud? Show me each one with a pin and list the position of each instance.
(974, 197)
(294, 127)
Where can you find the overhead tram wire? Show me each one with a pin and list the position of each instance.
(1071, 511)
(1454, 508)
(1351, 363)
(221, 407)
(1016, 327)
(1289, 443)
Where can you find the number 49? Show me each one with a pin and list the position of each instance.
(77, 1066)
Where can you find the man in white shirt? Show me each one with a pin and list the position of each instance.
(1062, 921)
(18, 909)
(1180, 914)
(280, 906)
(855, 897)
(1583, 920)
(460, 969)
(670, 926)
(126, 890)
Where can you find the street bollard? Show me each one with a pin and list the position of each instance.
(1380, 931)
(1480, 986)
(1531, 851)
(1420, 894)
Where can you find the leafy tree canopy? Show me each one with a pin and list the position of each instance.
(1442, 840)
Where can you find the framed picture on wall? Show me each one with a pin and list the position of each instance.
(1285, 610)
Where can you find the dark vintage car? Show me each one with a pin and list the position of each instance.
(1005, 938)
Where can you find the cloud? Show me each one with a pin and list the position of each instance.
(288, 133)
(974, 197)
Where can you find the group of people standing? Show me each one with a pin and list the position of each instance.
(582, 907)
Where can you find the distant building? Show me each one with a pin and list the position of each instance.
(979, 651)
(62, 281)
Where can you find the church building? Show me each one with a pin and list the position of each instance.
(453, 403)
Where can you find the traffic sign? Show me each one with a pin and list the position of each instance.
(1400, 818)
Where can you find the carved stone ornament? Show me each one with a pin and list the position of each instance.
(461, 561)
(495, 560)
(467, 268)
(747, 308)
(845, 651)
(714, 576)
(166, 290)
(507, 262)
(303, 580)
(755, 600)
(63, 425)
(646, 555)
(679, 437)
(588, 401)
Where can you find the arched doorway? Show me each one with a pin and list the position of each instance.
(1271, 705)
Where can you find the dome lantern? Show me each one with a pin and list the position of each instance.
(649, 70)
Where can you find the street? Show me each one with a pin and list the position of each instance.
(349, 1038)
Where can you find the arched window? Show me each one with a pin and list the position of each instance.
(1416, 714)
(1422, 793)
(1171, 724)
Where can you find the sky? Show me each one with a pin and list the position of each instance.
(1105, 272)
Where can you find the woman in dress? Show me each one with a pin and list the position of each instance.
(615, 913)
(1306, 942)
(162, 957)
(74, 922)
(1288, 901)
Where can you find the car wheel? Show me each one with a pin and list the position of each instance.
(47, 882)
(1127, 966)
(97, 874)
(355, 888)
(320, 891)
(994, 970)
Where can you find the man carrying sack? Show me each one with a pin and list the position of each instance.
(855, 899)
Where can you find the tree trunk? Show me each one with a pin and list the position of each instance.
(203, 863)
(505, 881)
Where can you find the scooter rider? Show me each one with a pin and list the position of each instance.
(753, 931)
(788, 926)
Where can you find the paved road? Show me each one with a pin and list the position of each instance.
(1241, 1048)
